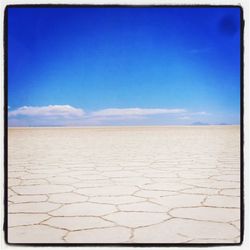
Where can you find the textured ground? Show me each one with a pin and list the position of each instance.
(124, 185)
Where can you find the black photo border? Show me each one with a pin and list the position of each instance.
(5, 226)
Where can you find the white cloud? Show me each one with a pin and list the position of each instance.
(66, 115)
(135, 111)
(66, 111)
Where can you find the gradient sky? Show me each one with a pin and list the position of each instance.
(123, 66)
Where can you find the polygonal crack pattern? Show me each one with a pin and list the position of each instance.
(124, 185)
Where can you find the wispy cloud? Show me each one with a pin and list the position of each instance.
(185, 118)
(47, 111)
(200, 113)
(193, 115)
(199, 50)
(135, 112)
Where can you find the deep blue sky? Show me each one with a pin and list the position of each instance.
(99, 58)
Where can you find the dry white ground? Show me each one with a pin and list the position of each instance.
(124, 185)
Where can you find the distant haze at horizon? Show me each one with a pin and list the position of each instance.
(123, 66)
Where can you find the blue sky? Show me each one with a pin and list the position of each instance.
(123, 66)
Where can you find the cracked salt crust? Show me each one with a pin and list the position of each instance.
(124, 185)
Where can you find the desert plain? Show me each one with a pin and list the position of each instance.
(173, 184)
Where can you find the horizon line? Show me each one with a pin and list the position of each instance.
(107, 126)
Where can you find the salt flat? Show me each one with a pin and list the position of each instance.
(124, 185)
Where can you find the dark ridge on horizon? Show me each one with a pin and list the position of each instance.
(212, 124)
(199, 124)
